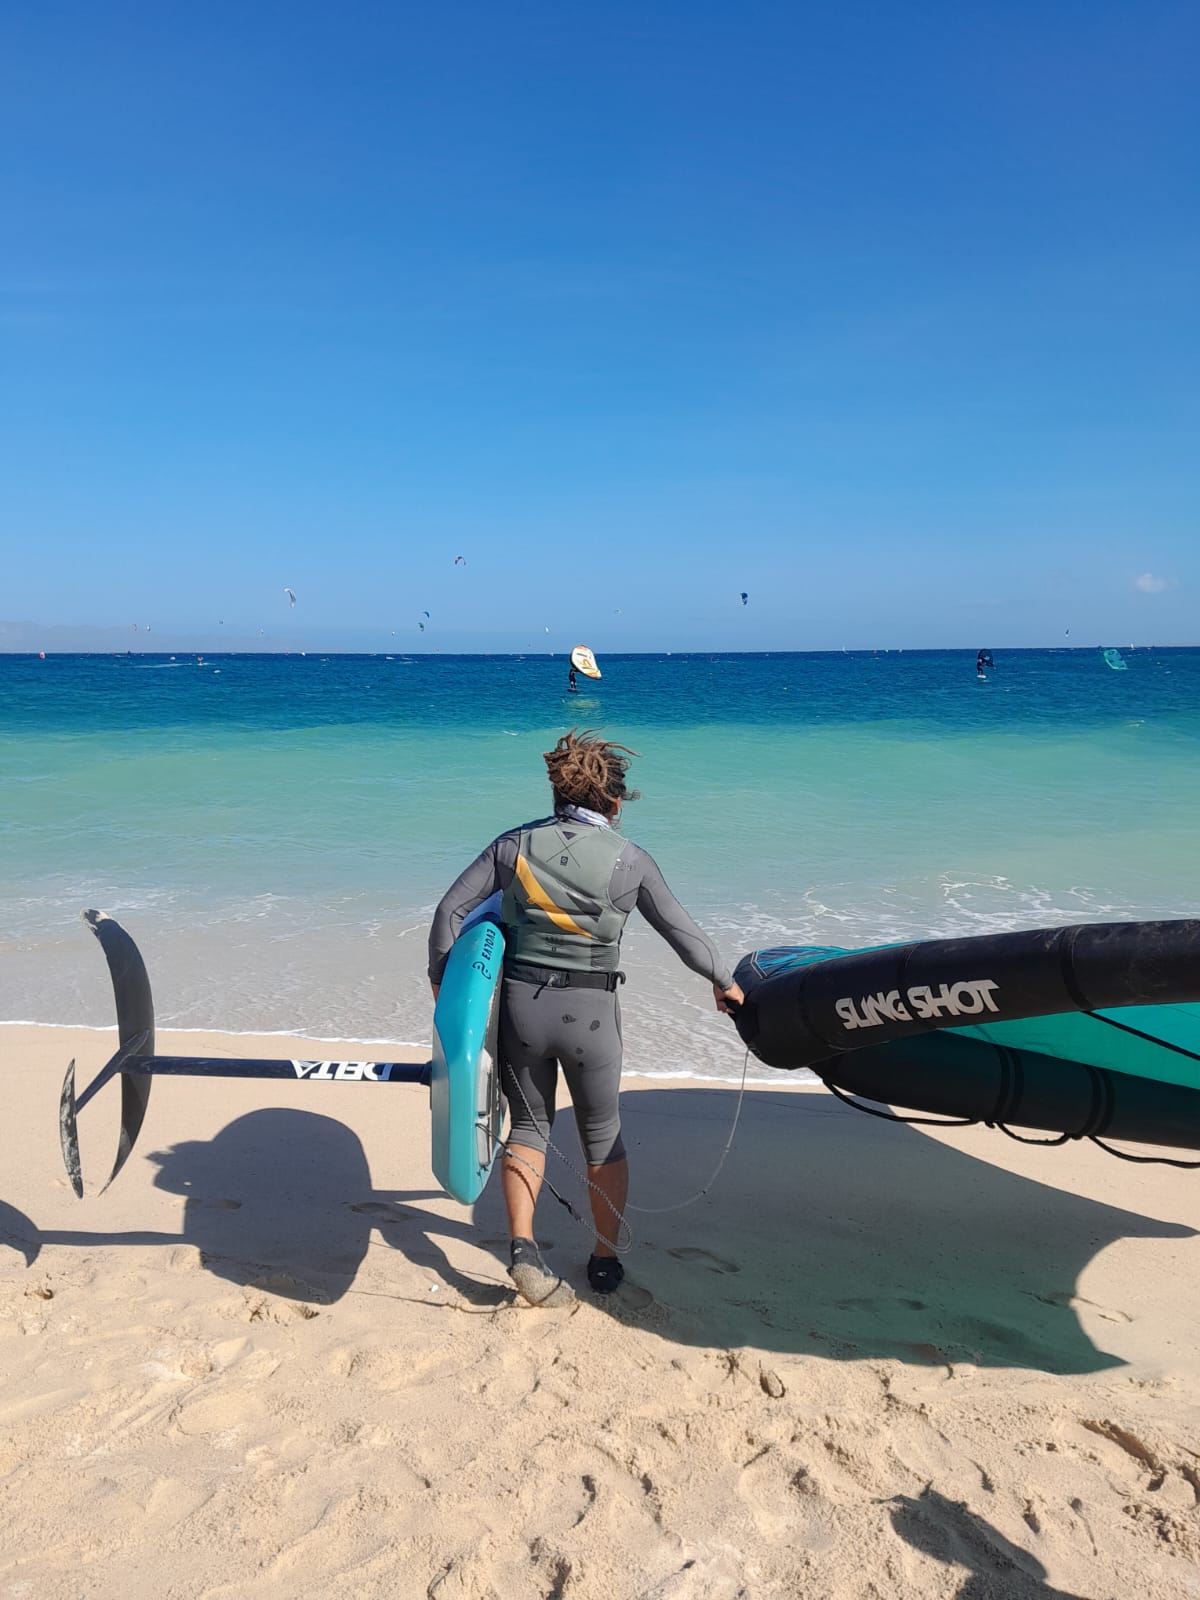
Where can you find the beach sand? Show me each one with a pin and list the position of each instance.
(274, 1360)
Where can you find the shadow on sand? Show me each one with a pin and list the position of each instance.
(947, 1531)
(789, 1252)
(794, 1249)
(280, 1194)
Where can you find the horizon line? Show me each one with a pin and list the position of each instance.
(610, 655)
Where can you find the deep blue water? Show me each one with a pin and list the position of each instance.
(275, 693)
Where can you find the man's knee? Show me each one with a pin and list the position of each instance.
(530, 1135)
(605, 1151)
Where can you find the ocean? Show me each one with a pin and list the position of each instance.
(275, 830)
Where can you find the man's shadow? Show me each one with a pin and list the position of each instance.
(790, 1252)
(281, 1199)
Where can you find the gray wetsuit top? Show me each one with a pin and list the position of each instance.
(596, 912)
(568, 884)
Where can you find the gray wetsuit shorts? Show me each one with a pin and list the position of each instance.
(541, 1028)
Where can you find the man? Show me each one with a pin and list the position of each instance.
(569, 882)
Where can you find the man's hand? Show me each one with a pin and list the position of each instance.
(728, 1000)
(435, 987)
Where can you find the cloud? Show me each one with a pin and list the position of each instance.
(1149, 584)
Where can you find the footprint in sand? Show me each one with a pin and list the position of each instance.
(715, 1577)
(221, 1415)
(703, 1258)
(881, 1303)
(1064, 1300)
(633, 1297)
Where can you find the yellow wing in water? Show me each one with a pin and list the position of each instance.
(584, 661)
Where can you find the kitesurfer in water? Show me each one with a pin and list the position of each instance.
(568, 882)
(983, 659)
(572, 683)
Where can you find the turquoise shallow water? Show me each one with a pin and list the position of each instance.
(275, 830)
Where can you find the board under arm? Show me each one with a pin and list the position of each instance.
(491, 869)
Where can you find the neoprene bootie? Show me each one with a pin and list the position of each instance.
(533, 1278)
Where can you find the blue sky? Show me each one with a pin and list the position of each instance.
(883, 313)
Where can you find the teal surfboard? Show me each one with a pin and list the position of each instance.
(465, 1102)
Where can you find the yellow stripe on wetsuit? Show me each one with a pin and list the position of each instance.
(539, 898)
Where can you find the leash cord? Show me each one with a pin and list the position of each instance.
(625, 1236)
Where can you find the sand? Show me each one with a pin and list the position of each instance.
(274, 1360)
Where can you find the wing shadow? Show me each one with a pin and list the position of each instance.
(795, 1250)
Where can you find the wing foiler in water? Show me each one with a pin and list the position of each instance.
(1086, 1032)
(1116, 661)
(584, 661)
